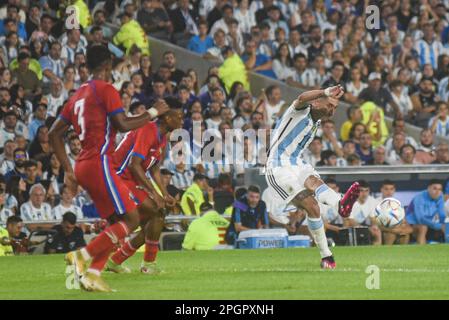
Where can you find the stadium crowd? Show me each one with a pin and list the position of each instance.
(400, 70)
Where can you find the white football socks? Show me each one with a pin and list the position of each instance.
(316, 228)
(326, 195)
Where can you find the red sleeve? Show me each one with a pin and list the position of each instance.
(66, 113)
(145, 138)
(111, 99)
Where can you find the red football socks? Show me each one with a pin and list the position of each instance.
(151, 249)
(106, 240)
(123, 253)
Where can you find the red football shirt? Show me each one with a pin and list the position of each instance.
(146, 143)
(89, 111)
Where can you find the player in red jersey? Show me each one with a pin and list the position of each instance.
(95, 112)
(141, 151)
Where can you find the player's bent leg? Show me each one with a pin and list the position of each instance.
(420, 231)
(327, 196)
(389, 238)
(376, 235)
(153, 231)
(306, 201)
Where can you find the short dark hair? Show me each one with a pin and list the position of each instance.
(388, 182)
(363, 184)
(330, 181)
(337, 63)
(407, 145)
(134, 106)
(199, 176)
(69, 217)
(254, 188)
(30, 163)
(299, 55)
(269, 90)
(97, 55)
(13, 220)
(206, 206)
(435, 181)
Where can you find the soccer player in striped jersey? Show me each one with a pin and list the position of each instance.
(296, 181)
(95, 111)
(138, 155)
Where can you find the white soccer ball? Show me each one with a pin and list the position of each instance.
(389, 212)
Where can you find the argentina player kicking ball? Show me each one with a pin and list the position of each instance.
(296, 181)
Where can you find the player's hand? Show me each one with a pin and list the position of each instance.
(161, 106)
(335, 92)
(170, 201)
(158, 201)
(71, 183)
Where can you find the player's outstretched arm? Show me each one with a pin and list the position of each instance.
(56, 137)
(305, 98)
(124, 123)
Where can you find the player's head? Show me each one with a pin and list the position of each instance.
(253, 196)
(201, 181)
(173, 119)
(435, 188)
(99, 60)
(14, 225)
(387, 189)
(332, 183)
(364, 190)
(68, 223)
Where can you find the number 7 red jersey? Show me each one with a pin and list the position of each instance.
(89, 111)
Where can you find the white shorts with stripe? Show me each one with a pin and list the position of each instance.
(288, 181)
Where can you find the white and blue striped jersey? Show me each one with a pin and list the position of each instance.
(291, 136)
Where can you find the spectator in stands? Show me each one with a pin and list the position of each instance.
(206, 232)
(401, 98)
(354, 87)
(329, 137)
(379, 157)
(232, 70)
(302, 76)
(407, 154)
(379, 95)
(394, 154)
(312, 154)
(193, 197)
(424, 102)
(8, 131)
(426, 212)
(20, 157)
(282, 62)
(439, 124)
(272, 104)
(441, 154)
(67, 237)
(176, 74)
(356, 132)
(257, 62)
(365, 148)
(12, 239)
(25, 77)
(31, 174)
(40, 148)
(399, 127)
(363, 213)
(426, 140)
(52, 64)
(202, 42)
(403, 230)
(249, 212)
(7, 162)
(214, 52)
(184, 22)
(130, 34)
(66, 205)
(354, 115)
(39, 117)
(154, 20)
(36, 209)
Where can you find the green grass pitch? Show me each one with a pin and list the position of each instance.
(406, 272)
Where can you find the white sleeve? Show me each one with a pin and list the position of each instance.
(25, 212)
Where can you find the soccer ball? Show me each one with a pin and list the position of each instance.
(389, 212)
